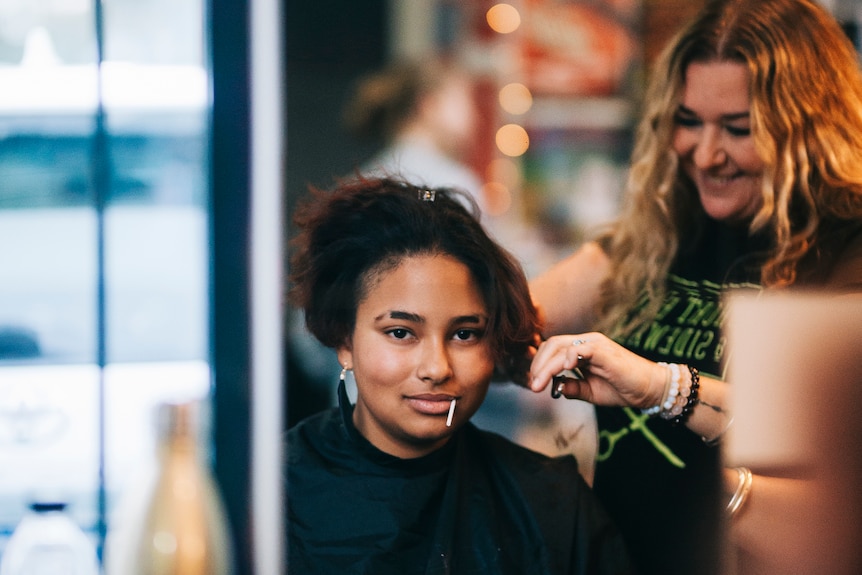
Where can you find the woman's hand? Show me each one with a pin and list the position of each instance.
(613, 375)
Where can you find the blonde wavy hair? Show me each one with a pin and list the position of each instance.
(806, 117)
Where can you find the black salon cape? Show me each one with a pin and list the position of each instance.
(481, 504)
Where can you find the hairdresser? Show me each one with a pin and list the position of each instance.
(746, 175)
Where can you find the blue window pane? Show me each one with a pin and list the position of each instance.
(149, 165)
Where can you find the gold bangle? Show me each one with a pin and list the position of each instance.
(743, 488)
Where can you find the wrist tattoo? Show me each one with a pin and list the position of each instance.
(715, 408)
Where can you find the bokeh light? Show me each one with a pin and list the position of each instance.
(503, 18)
(512, 140)
(504, 170)
(515, 98)
(498, 198)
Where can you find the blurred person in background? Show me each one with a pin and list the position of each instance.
(746, 175)
(424, 115)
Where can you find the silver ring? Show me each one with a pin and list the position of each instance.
(579, 341)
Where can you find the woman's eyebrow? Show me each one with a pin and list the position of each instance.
(416, 318)
(405, 315)
(726, 117)
(467, 319)
(737, 116)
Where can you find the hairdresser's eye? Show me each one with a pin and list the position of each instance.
(738, 131)
(686, 120)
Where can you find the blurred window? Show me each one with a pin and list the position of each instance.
(103, 243)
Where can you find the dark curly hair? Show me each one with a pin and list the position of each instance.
(349, 235)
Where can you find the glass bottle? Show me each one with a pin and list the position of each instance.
(47, 541)
(183, 528)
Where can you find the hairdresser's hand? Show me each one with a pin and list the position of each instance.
(613, 375)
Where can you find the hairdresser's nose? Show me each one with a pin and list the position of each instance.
(434, 364)
(709, 149)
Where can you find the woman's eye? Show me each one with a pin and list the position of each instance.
(737, 131)
(467, 334)
(686, 121)
(399, 333)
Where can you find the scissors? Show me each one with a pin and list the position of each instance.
(559, 381)
(638, 423)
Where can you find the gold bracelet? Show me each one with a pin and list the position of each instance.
(743, 488)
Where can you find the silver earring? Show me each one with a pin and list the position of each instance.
(343, 375)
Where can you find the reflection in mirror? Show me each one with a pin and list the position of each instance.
(103, 210)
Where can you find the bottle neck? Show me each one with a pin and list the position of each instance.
(176, 428)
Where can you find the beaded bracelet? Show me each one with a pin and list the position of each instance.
(676, 408)
(666, 394)
(680, 396)
(691, 398)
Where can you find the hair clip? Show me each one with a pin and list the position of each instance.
(427, 195)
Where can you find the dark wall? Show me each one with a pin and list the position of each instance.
(329, 44)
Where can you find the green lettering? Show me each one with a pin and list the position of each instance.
(693, 303)
(700, 350)
(693, 343)
(681, 341)
(698, 318)
(714, 318)
(665, 349)
(657, 331)
(719, 349)
(636, 336)
(667, 306)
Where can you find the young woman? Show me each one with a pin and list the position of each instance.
(746, 174)
(422, 307)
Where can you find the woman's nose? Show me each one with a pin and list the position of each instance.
(709, 151)
(434, 364)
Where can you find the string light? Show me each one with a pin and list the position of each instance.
(515, 98)
(512, 140)
(503, 18)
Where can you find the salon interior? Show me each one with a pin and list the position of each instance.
(151, 157)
